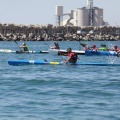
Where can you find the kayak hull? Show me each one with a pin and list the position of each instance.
(29, 62)
(20, 52)
(61, 51)
(44, 62)
(99, 52)
(6, 51)
(33, 52)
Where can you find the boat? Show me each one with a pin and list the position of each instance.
(6, 51)
(45, 62)
(61, 52)
(100, 52)
(20, 52)
(34, 52)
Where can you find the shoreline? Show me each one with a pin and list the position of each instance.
(49, 32)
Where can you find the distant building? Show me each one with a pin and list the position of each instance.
(85, 16)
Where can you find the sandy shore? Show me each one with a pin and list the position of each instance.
(39, 33)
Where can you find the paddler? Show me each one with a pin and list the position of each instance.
(25, 47)
(72, 56)
(116, 48)
(56, 45)
(94, 47)
(84, 46)
(103, 48)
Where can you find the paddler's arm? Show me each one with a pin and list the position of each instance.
(108, 49)
(64, 54)
(65, 61)
(21, 46)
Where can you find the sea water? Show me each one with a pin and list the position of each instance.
(58, 92)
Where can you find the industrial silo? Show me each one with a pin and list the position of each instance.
(97, 17)
(82, 17)
(75, 18)
(59, 14)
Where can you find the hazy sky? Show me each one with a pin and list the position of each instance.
(43, 11)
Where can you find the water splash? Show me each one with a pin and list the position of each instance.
(112, 59)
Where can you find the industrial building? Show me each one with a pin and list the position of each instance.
(85, 16)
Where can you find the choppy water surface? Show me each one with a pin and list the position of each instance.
(58, 92)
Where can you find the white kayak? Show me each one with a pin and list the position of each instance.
(7, 51)
(13, 51)
(60, 51)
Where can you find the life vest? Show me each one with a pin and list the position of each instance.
(103, 49)
(116, 48)
(26, 48)
(73, 56)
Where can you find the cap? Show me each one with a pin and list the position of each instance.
(24, 44)
(93, 46)
(55, 41)
(115, 46)
(103, 45)
(69, 49)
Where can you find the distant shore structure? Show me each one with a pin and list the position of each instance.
(83, 24)
(85, 16)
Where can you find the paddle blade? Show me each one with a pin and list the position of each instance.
(54, 63)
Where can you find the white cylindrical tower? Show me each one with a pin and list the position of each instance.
(71, 14)
(82, 17)
(90, 4)
(98, 17)
(59, 14)
(59, 10)
(75, 18)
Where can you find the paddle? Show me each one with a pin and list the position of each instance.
(83, 45)
(79, 45)
(47, 45)
(17, 44)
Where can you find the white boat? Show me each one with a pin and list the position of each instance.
(61, 51)
(7, 51)
(12, 51)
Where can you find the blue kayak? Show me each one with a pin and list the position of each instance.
(100, 52)
(44, 62)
